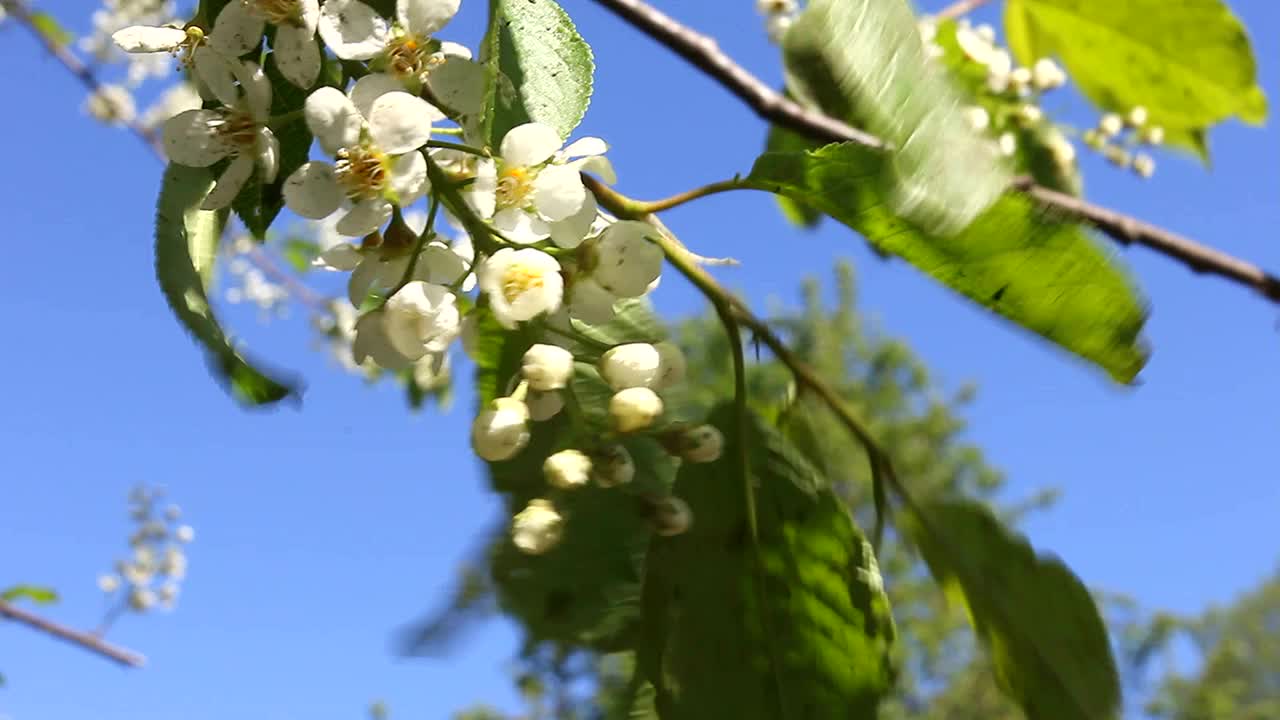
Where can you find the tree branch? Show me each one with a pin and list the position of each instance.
(959, 9)
(703, 53)
(84, 640)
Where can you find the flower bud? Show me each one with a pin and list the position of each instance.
(1153, 135)
(567, 469)
(537, 528)
(671, 516)
(184, 534)
(978, 118)
(1144, 165)
(547, 367)
(502, 430)
(701, 444)
(671, 365)
(1020, 78)
(613, 466)
(1029, 115)
(1137, 117)
(626, 261)
(142, 599)
(108, 583)
(631, 365)
(544, 405)
(634, 409)
(1047, 75)
(1110, 125)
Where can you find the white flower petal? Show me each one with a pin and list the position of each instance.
(425, 17)
(585, 147)
(558, 192)
(453, 49)
(409, 177)
(352, 30)
(312, 191)
(236, 31)
(256, 87)
(189, 140)
(400, 122)
(529, 144)
(370, 88)
(570, 232)
(482, 195)
(362, 280)
(459, 84)
(343, 256)
(439, 265)
(332, 119)
(590, 303)
(268, 150)
(371, 343)
(217, 73)
(228, 186)
(626, 261)
(520, 227)
(597, 165)
(309, 15)
(146, 39)
(297, 55)
(365, 217)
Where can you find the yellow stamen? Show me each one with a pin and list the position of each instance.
(520, 279)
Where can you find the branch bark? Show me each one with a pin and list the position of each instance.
(79, 638)
(702, 52)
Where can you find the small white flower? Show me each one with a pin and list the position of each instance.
(184, 534)
(533, 186)
(108, 583)
(613, 466)
(537, 528)
(1008, 144)
(174, 564)
(1118, 156)
(1144, 165)
(1029, 114)
(1153, 135)
(986, 32)
(142, 599)
(431, 371)
(179, 97)
(776, 26)
(209, 56)
(168, 595)
(374, 133)
(634, 408)
(200, 138)
(371, 343)
(295, 49)
(547, 367)
(977, 117)
(544, 405)
(1020, 79)
(502, 430)
(421, 318)
(974, 45)
(625, 261)
(1137, 117)
(111, 104)
(672, 366)
(671, 516)
(631, 365)
(521, 284)
(1110, 125)
(567, 469)
(701, 444)
(1063, 151)
(1047, 75)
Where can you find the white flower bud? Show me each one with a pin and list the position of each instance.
(547, 367)
(1153, 135)
(613, 466)
(978, 118)
(1094, 139)
(1137, 117)
(1110, 125)
(631, 365)
(1144, 165)
(174, 564)
(671, 365)
(634, 409)
(184, 534)
(1047, 75)
(142, 599)
(776, 26)
(626, 261)
(671, 516)
(108, 583)
(1030, 114)
(1008, 144)
(567, 469)
(701, 444)
(111, 104)
(502, 430)
(537, 528)
(1020, 79)
(544, 405)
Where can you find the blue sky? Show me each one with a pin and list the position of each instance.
(322, 530)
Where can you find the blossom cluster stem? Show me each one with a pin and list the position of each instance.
(79, 638)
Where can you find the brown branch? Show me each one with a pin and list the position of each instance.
(702, 52)
(959, 9)
(84, 640)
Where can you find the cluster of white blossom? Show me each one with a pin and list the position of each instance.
(778, 16)
(113, 103)
(546, 257)
(250, 285)
(153, 573)
(1115, 135)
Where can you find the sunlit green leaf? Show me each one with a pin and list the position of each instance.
(1015, 260)
(37, 594)
(802, 631)
(50, 29)
(1040, 624)
(781, 139)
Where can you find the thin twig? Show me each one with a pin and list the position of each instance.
(702, 52)
(85, 640)
(959, 8)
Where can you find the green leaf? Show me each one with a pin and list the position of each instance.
(540, 69)
(1188, 63)
(35, 593)
(863, 61)
(186, 246)
(1015, 260)
(781, 139)
(805, 632)
(1045, 635)
(50, 29)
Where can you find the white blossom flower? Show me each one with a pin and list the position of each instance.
(168, 595)
(1137, 117)
(200, 138)
(371, 343)
(567, 469)
(537, 528)
(977, 117)
(1007, 143)
(1110, 125)
(634, 408)
(1144, 165)
(242, 23)
(210, 56)
(521, 284)
(1020, 79)
(671, 516)
(431, 371)
(421, 318)
(174, 563)
(108, 583)
(534, 186)
(701, 444)
(544, 405)
(613, 466)
(1153, 135)
(184, 534)
(111, 104)
(179, 97)
(374, 133)
(671, 366)
(1118, 156)
(1029, 114)
(502, 430)
(1062, 150)
(631, 365)
(142, 599)
(1047, 75)
(547, 367)
(624, 261)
